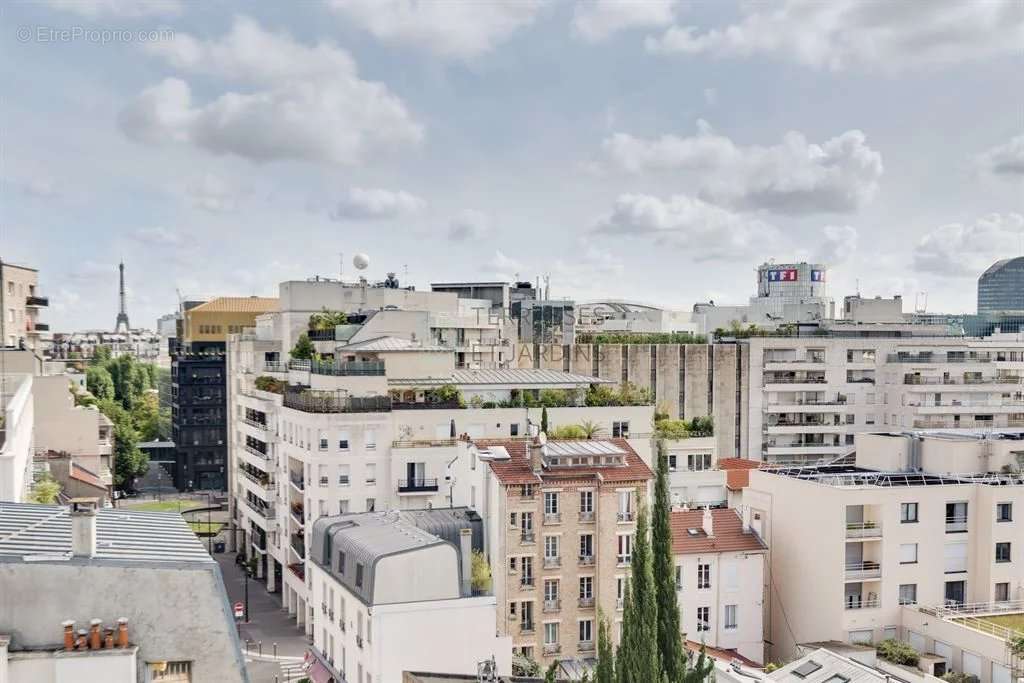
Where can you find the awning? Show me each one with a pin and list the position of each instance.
(318, 673)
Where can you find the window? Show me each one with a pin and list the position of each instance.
(174, 672)
(620, 591)
(586, 587)
(1002, 592)
(323, 443)
(513, 429)
(371, 473)
(908, 513)
(513, 520)
(703, 619)
(551, 547)
(806, 669)
(343, 475)
(620, 429)
(625, 548)
(370, 439)
(371, 504)
(1002, 552)
(586, 546)
(343, 441)
(908, 594)
(956, 518)
(587, 502)
(359, 575)
(625, 506)
(671, 462)
(322, 472)
(730, 616)
(550, 502)
(908, 553)
(550, 590)
(703, 576)
(341, 562)
(586, 630)
(1004, 512)
(551, 633)
(698, 462)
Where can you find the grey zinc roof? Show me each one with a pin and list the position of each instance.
(384, 344)
(508, 376)
(44, 531)
(824, 666)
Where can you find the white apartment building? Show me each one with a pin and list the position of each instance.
(694, 479)
(393, 589)
(366, 432)
(810, 396)
(850, 546)
(16, 436)
(720, 577)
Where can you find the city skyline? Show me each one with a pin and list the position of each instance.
(628, 150)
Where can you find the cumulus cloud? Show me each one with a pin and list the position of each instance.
(967, 249)
(1006, 159)
(859, 33)
(793, 177)
(376, 204)
(309, 103)
(837, 244)
(596, 20)
(156, 237)
(118, 8)
(211, 192)
(469, 225)
(707, 231)
(458, 30)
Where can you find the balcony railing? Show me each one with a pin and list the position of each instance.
(260, 479)
(586, 517)
(587, 603)
(856, 602)
(527, 537)
(795, 380)
(264, 511)
(934, 358)
(256, 452)
(856, 571)
(297, 481)
(552, 517)
(527, 628)
(526, 582)
(37, 301)
(956, 524)
(417, 485)
(552, 605)
(625, 516)
(586, 646)
(586, 560)
(424, 443)
(275, 366)
(349, 369)
(299, 546)
(552, 648)
(551, 562)
(310, 401)
(863, 529)
(258, 425)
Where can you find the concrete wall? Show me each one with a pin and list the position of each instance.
(425, 574)
(109, 666)
(59, 424)
(175, 611)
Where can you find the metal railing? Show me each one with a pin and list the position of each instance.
(527, 537)
(256, 452)
(298, 482)
(552, 517)
(793, 380)
(37, 301)
(625, 516)
(586, 560)
(424, 443)
(552, 561)
(863, 529)
(856, 602)
(258, 425)
(956, 524)
(863, 570)
(275, 366)
(586, 646)
(347, 369)
(266, 512)
(552, 605)
(310, 401)
(934, 358)
(587, 517)
(552, 648)
(417, 485)
(526, 582)
(261, 479)
(587, 603)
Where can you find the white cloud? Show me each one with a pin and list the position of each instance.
(211, 192)
(469, 225)
(706, 231)
(504, 266)
(865, 33)
(313, 107)
(596, 20)
(966, 250)
(792, 177)
(457, 30)
(156, 237)
(120, 8)
(376, 204)
(1006, 159)
(837, 244)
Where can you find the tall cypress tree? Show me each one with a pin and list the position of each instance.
(639, 659)
(670, 645)
(605, 670)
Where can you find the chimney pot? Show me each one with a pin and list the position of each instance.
(709, 523)
(94, 634)
(746, 519)
(108, 638)
(83, 526)
(122, 632)
(69, 634)
(82, 642)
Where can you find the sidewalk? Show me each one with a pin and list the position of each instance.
(267, 621)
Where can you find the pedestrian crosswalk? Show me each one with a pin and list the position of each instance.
(292, 672)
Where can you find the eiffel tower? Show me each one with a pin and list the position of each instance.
(122, 316)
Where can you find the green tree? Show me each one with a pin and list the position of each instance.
(544, 419)
(551, 675)
(101, 355)
(44, 491)
(701, 671)
(327, 320)
(638, 658)
(303, 349)
(99, 382)
(447, 393)
(147, 418)
(670, 645)
(481, 573)
(605, 670)
(129, 461)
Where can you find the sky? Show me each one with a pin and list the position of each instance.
(656, 151)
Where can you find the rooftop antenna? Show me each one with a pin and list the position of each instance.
(341, 266)
(547, 287)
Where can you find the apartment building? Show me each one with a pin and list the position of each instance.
(811, 395)
(721, 580)
(684, 380)
(694, 476)
(198, 392)
(392, 588)
(21, 302)
(17, 440)
(560, 524)
(851, 545)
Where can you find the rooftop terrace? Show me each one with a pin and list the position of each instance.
(848, 476)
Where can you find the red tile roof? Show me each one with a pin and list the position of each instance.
(517, 470)
(722, 654)
(81, 474)
(726, 525)
(737, 472)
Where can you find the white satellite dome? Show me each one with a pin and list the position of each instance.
(361, 261)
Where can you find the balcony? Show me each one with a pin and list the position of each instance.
(857, 602)
(37, 327)
(258, 425)
(933, 358)
(309, 401)
(261, 479)
(37, 301)
(956, 524)
(587, 603)
(255, 451)
(552, 605)
(297, 513)
(264, 511)
(298, 546)
(863, 571)
(417, 485)
(297, 482)
(350, 369)
(526, 582)
(586, 646)
(586, 560)
(863, 530)
(625, 516)
(527, 537)
(552, 648)
(424, 443)
(624, 560)
(298, 569)
(552, 518)
(552, 562)
(527, 629)
(587, 517)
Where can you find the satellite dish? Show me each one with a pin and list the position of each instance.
(361, 261)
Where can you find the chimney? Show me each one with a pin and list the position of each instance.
(83, 526)
(537, 455)
(94, 634)
(69, 635)
(108, 638)
(708, 523)
(466, 557)
(746, 519)
(122, 632)
(82, 642)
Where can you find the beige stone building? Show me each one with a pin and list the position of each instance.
(562, 520)
(21, 303)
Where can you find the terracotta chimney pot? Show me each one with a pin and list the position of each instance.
(122, 632)
(69, 635)
(94, 634)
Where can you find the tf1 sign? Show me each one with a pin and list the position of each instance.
(785, 275)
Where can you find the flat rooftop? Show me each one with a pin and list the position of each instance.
(849, 476)
(43, 533)
(512, 377)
